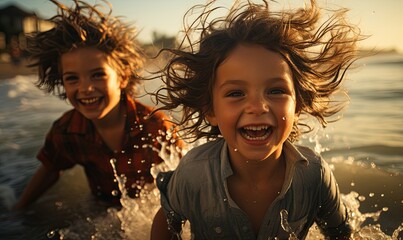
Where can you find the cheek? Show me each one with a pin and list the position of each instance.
(287, 114)
(290, 109)
(69, 92)
(284, 107)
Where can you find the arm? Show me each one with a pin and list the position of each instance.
(41, 181)
(160, 229)
(165, 227)
(333, 218)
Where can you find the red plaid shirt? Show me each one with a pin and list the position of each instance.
(74, 140)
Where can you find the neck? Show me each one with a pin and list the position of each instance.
(261, 171)
(113, 119)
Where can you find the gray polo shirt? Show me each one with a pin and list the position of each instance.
(197, 191)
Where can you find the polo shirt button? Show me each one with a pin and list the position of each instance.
(245, 228)
(218, 230)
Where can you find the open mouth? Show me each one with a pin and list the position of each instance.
(256, 133)
(90, 101)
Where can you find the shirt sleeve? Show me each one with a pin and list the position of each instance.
(169, 202)
(332, 217)
(51, 154)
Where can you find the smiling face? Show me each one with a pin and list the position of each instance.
(253, 103)
(92, 85)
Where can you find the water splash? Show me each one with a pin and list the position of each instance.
(133, 221)
(356, 221)
(286, 226)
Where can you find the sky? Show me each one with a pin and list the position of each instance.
(380, 19)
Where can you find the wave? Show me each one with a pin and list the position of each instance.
(374, 149)
(391, 62)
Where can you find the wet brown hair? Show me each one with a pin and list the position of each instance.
(84, 25)
(318, 53)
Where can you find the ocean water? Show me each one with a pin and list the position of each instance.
(364, 148)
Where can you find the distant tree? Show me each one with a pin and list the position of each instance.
(161, 40)
(158, 41)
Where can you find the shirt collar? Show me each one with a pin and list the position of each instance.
(292, 156)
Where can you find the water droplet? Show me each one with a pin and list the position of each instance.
(352, 184)
(114, 192)
(51, 234)
(371, 194)
(235, 150)
(284, 221)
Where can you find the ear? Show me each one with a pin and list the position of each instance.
(124, 79)
(211, 118)
(123, 82)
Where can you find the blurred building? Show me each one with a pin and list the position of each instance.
(15, 24)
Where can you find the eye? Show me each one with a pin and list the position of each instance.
(70, 78)
(235, 93)
(98, 75)
(276, 91)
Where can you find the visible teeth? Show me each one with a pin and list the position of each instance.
(89, 100)
(256, 128)
(256, 132)
(255, 138)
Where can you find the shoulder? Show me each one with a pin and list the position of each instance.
(145, 113)
(141, 108)
(204, 152)
(201, 161)
(314, 167)
(310, 155)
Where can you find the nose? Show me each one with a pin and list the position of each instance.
(257, 105)
(86, 85)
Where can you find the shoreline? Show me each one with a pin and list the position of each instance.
(10, 70)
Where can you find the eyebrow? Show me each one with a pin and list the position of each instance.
(232, 82)
(92, 70)
(243, 82)
(68, 73)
